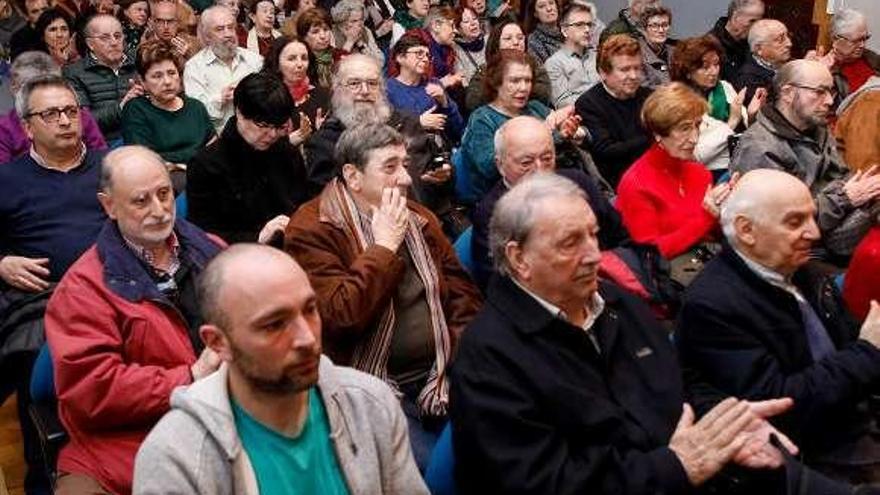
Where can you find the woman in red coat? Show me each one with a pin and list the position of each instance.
(862, 282)
(665, 198)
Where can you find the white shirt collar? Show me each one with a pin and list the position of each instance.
(770, 276)
(594, 307)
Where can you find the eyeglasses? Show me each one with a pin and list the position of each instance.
(858, 41)
(107, 37)
(659, 26)
(819, 90)
(420, 54)
(580, 24)
(356, 84)
(165, 22)
(53, 115)
(271, 127)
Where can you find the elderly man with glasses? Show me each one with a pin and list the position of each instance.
(854, 64)
(164, 25)
(792, 135)
(105, 80)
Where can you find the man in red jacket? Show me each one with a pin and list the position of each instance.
(122, 326)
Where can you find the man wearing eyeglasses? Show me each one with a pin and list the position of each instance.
(105, 79)
(165, 26)
(770, 46)
(49, 216)
(792, 135)
(854, 64)
(572, 69)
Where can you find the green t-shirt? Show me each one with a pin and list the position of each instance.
(284, 465)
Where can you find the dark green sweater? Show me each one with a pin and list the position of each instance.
(176, 136)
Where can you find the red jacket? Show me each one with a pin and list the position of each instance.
(119, 348)
(862, 283)
(660, 199)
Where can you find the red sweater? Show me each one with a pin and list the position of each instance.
(857, 74)
(861, 283)
(660, 199)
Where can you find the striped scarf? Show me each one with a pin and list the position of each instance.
(371, 354)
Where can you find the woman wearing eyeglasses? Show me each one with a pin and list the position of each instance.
(656, 46)
(412, 89)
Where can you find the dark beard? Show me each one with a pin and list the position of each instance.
(281, 385)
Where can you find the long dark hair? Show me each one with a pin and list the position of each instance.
(271, 64)
(48, 17)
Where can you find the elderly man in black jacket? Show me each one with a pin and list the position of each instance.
(566, 385)
(754, 326)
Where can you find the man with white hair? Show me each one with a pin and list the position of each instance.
(122, 325)
(211, 75)
(732, 31)
(770, 47)
(854, 64)
(758, 324)
(792, 135)
(627, 21)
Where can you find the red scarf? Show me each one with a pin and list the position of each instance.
(299, 90)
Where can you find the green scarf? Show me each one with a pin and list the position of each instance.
(718, 106)
(405, 19)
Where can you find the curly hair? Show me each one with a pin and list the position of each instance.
(688, 55)
(616, 45)
(153, 52)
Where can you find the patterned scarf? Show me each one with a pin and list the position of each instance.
(371, 355)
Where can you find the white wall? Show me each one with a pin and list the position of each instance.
(690, 17)
(867, 7)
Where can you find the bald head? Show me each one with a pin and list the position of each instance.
(769, 218)
(523, 145)
(769, 39)
(126, 161)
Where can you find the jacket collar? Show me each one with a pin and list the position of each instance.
(779, 125)
(327, 213)
(90, 61)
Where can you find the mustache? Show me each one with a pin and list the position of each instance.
(155, 222)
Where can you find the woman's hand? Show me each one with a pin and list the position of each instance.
(432, 121)
(450, 80)
(757, 102)
(300, 135)
(716, 196)
(564, 121)
(736, 109)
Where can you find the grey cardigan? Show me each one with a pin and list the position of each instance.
(196, 449)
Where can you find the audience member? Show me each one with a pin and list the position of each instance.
(49, 216)
(243, 186)
(553, 338)
(598, 25)
(509, 87)
(657, 48)
(770, 48)
(572, 69)
(104, 79)
(440, 26)
(122, 325)
(289, 60)
(470, 44)
(165, 26)
(56, 34)
(391, 291)
(524, 145)
(777, 331)
(411, 17)
(860, 286)
(792, 135)
(380, 20)
(857, 130)
(133, 15)
(854, 64)
(239, 14)
(14, 141)
(27, 38)
(611, 111)
(211, 75)
(414, 91)
(697, 62)
(163, 119)
(542, 23)
(665, 198)
(313, 27)
(627, 22)
(732, 32)
(480, 9)
(259, 37)
(359, 99)
(506, 35)
(11, 21)
(298, 422)
(350, 32)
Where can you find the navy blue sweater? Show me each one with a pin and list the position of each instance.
(45, 213)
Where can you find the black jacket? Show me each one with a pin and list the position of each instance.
(233, 189)
(735, 51)
(101, 89)
(535, 409)
(746, 338)
(752, 76)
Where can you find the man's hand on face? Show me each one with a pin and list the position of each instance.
(870, 330)
(27, 274)
(390, 219)
(863, 186)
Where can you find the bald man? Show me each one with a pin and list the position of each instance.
(792, 135)
(122, 325)
(524, 145)
(291, 421)
(757, 325)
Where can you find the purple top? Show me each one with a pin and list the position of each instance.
(14, 142)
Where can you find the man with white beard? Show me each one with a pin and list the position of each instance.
(211, 75)
(359, 99)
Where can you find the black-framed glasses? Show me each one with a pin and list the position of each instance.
(53, 115)
(356, 84)
(107, 37)
(858, 41)
(420, 54)
(819, 90)
(580, 24)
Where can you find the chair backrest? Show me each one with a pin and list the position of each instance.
(43, 378)
(180, 205)
(440, 473)
(464, 188)
(463, 249)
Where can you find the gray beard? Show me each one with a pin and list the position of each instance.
(223, 51)
(353, 114)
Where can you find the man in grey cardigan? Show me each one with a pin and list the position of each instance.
(278, 416)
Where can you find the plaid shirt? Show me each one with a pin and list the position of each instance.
(166, 281)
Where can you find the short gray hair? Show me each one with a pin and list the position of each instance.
(514, 216)
(759, 33)
(344, 65)
(87, 29)
(23, 95)
(29, 65)
(356, 143)
(119, 155)
(845, 21)
(344, 8)
(736, 6)
(434, 14)
(208, 15)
